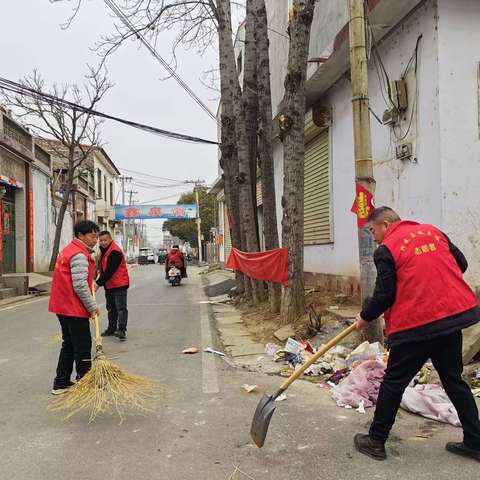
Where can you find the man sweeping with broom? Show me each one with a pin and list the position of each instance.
(427, 303)
(72, 301)
(102, 386)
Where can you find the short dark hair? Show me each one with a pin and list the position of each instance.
(175, 246)
(383, 213)
(84, 227)
(105, 232)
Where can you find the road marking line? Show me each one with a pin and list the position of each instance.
(209, 370)
(23, 303)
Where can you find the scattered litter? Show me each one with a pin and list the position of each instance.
(281, 397)
(430, 401)
(237, 474)
(271, 349)
(292, 346)
(318, 369)
(190, 350)
(363, 383)
(365, 351)
(337, 376)
(361, 407)
(216, 352)
(249, 388)
(422, 377)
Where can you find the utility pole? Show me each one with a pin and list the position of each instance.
(130, 203)
(124, 179)
(197, 184)
(363, 150)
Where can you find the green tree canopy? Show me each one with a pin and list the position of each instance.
(186, 230)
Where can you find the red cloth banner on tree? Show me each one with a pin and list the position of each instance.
(363, 205)
(270, 266)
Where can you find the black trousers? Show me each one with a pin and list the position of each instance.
(117, 309)
(404, 362)
(76, 348)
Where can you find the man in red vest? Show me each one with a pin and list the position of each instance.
(114, 278)
(72, 300)
(427, 303)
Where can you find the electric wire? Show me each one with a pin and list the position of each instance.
(24, 90)
(126, 21)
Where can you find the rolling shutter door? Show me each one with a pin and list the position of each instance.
(317, 191)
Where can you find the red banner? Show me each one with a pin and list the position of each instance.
(363, 205)
(270, 266)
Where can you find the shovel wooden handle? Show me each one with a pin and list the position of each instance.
(298, 373)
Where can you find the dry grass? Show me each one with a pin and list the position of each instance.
(107, 388)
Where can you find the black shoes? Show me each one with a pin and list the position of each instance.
(370, 447)
(108, 333)
(62, 390)
(461, 449)
(121, 335)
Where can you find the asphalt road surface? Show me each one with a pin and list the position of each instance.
(200, 428)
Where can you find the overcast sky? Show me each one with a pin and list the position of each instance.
(31, 37)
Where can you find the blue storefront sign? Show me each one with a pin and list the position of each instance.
(145, 212)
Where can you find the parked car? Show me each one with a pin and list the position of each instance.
(146, 256)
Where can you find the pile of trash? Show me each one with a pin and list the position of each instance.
(354, 378)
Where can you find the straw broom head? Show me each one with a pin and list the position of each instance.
(107, 388)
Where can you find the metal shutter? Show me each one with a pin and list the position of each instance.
(317, 227)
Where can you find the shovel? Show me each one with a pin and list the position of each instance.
(266, 406)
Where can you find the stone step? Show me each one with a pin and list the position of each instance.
(7, 293)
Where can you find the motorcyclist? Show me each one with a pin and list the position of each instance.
(175, 258)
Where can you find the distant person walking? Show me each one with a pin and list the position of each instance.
(72, 300)
(114, 278)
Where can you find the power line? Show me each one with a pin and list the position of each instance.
(20, 89)
(149, 175)
(126, 21)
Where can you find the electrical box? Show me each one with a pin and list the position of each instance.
(390, 117)
(398, 89)
(404, 151)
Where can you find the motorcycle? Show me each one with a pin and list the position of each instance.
(174, 276)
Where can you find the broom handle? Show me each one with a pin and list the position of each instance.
(98, 337)
(298, 373)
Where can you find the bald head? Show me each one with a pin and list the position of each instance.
(384, 214)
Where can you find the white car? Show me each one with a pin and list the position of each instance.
(146, 256)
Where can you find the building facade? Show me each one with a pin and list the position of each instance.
(424, 78)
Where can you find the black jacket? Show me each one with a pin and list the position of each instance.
(114, 260)
(385, 293)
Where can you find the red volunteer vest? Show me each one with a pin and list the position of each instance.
(430, 285)
(120, 277)
(63, 299)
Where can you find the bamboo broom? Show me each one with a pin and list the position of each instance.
(106, 387)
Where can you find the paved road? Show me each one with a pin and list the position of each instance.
(200, 429)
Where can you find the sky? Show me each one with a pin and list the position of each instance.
(31, 37)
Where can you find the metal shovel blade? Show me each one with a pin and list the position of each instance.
(261, 420)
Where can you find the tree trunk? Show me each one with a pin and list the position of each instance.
(244, 179)
(60, 219)
(265, 139)
(292, 125)
(229, 159)
(250, 107)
